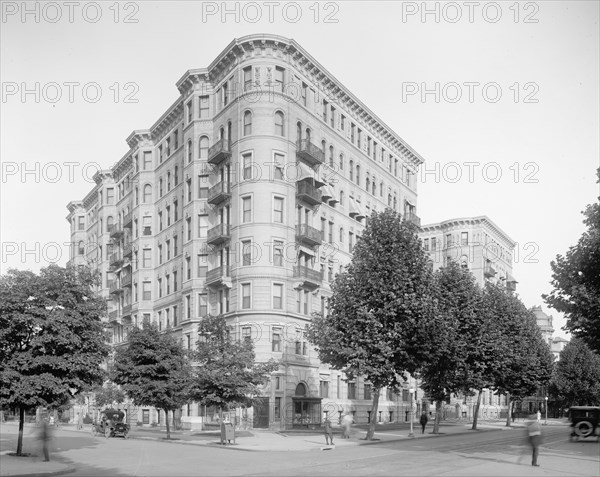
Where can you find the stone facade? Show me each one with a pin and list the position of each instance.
(245, 199)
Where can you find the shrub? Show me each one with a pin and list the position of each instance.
(87, 419)
(154, 424)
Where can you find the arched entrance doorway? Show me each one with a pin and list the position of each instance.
(307, 410)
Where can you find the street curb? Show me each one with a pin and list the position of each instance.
(68, 470)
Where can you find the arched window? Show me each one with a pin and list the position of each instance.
(374, 189)
(299, 132)
(247, 123)
(222, 133)
(137, 195)
(203, 148)
(341, 197)
(368, 184)
(381, 189)
(395, 202)
(389, 200)
(351, 170)
(229, 133)
(300, 390)
(331, 156)
(279, 124)
(323, 146)
(81, 248)
(147, 194)
(341, 234)
(307, 134)
(190, 150)
(358, 174)
(109, 222)
(341, 162)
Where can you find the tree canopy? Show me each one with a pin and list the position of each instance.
(226, 373)
(52, 340)
(154, 370)
(576, 281)
(381, 313)
(576, 377)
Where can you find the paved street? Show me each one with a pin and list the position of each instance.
(492, 452)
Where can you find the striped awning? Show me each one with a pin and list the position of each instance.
(304, 173)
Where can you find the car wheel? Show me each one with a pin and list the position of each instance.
(584, 428)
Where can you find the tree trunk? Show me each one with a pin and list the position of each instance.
(21, 425)
(509, 413)
(167, 423)
(476, 413)
(438, 416)
(371, 431)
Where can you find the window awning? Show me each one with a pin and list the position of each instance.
(327, 193)
(510, 278)
(361, 212)
(306, 250)
(353, 210)
(305, 173)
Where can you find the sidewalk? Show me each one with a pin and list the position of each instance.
(250, 441)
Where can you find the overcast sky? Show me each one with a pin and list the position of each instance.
(500, 99)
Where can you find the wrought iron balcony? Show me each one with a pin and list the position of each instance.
(115, 231)
(219, 151)
(309, 277)
(310, 153)
(126, 280)
(113, 315)
(218, 276)
(127, 250)
(126, 310)
(219, 234)
(308, 193)
(308, 235)
(489, 271)
(219, 193)
(115, 260)
(413, 218)
(511, 286)
(128, 220)
(114, 287)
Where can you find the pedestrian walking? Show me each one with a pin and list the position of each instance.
(534, 434)
(79, 420)
(347, 421)
(328, 431)
(424, 420)
(44, 437)
(539, 416)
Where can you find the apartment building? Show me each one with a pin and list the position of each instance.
(476, 243)
(244, 199)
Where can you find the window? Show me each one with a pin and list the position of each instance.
(188, 267)
(160, 254)
(277, 408)
(278, 253)
(146, 257)
(448, 240)
(147, 160)
(175, 252)
(331, 156)
(278, 210)
(330, 235)
(247, 123)
(351, 170)
(159, 286)
(110, 196)
(279, 78)
(332, 118)
(247, 166)
(247, 71)
(147, 194)
(303, 93)
(350, 241)
(368, 389)
(246, 296)
(203, 109)
(175, 211)
(358, 174)
(426, 244)
(203, 148)
(278, 296)
(246, 209)
(145, 416)
(168, 247)
(324, 389)
(464, 238)
(81, 248)
(202, 267)
(325, 110)
(341, 197)
(246, 253)
(433, 244)
(342, 234)
(279, 160)
(188, 225)
(202, 305)
(146, 290)
(276, 340)
(341, 162)
(189, 111)
(279, 130)
(351, 390)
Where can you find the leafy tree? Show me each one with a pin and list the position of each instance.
(454, 367)
(154, 370)
(381, 313)
(226, 374)
(576, 377)
(576, 282)
(52, 341)
(108, 395)
(523, 361)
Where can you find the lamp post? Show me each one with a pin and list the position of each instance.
(411, 391)
(546, 407)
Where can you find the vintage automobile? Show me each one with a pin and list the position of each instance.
(584, 421)
(111, 424)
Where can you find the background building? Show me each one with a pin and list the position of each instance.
(244, 199)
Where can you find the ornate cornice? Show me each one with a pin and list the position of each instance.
(139, 138)
(482, 220)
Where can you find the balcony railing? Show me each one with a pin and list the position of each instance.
(217, 276)
(115, 230)
(219, 151)
(310, 153)
(113, 315)
(126, 310)
(489, 271)
(127, 250)
(413, 218)
(308, 193)
(128, 220)
(114, 287)
(511, 286)
(220, 192)
(309, 277)
(115, 260)
(308, 235)
(219, 234)
(126, 280)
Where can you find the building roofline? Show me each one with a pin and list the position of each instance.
(480, 219)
